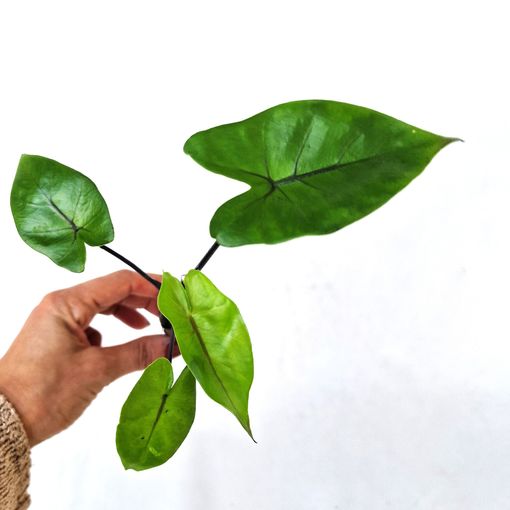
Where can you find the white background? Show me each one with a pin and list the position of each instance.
(382, 352)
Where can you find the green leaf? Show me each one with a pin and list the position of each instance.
(156, 417)
(212, 338)
(313, 168)
(57, 210)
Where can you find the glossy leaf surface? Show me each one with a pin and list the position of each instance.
(58, 210)
(212, 338)
(156, 417)
(313, 168)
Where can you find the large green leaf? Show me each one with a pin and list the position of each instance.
(156, 417)
(313, 167)
(57, 210)
(212, 338)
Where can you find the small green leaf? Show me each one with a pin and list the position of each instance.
(212, 338)
(156, 417)
(57, 210)
(313, 167)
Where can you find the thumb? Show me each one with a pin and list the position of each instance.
(136, 355)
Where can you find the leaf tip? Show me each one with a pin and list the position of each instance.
(450, 140)
(246, 426)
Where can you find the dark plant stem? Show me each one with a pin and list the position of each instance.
(171, 345)
(132, 266)
(165, 323)
(207, 256)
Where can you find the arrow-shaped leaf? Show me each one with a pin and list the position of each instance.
(313, 167)
(57, 210)
(212, 338)
(156, 417)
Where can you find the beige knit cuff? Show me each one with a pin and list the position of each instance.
(14, 459)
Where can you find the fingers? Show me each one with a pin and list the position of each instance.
(130, 317)
(136, 355)
(101, 294)
(149, 304)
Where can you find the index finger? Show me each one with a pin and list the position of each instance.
(100, 294)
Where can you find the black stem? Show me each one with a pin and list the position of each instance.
(132, 265)
(207, 256)
(171, 334)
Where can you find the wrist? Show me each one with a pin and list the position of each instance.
(15, 394)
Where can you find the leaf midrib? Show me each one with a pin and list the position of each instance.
(164, 398)
(71, 223)
(336, 166)
(74, 228)
(211, 364)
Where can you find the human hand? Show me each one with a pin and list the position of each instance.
(56, 366)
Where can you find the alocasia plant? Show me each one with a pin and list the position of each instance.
(313, 167)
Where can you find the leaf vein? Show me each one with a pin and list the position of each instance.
(301, 148)
(211, 364)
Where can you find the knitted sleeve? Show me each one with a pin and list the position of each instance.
(14, 459)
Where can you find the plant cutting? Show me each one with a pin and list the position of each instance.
(313, 167)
